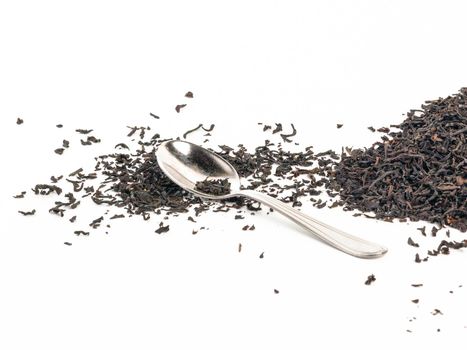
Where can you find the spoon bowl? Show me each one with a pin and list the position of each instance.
(186, 163)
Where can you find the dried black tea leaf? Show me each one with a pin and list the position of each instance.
(422, 230)
(191, 130)
(96, 222)
(217, 187)
(189, 94)
(84, 131)
(44, 189)
(211, 128)
(19, 121)
(67, 243)
(154, 116)
(21, 195)
(56, 179)
(370, 279)
(179, 107)
(339, 125)
(417, 258)
(412, 243)
(383, 129)
(90, 140)
(278, 128)
(79, 233)
(117, 216)
(121, 145)
(76, 172)
(59, 151)
(27, 213)
(285, 137)
(162, 229)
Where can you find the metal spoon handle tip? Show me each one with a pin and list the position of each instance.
(338, 239)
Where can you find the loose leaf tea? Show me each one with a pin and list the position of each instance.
(191, 130)
(412, 243)
(285, 137)
(21, 195)
(27, 213)
(217, 187)
(370, 279)
(19, 121)
(90, 140)
(419, 173)
(162, 228)
(84, 131)
(179, 107)
(80, 232)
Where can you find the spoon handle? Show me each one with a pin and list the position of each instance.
(341, 240)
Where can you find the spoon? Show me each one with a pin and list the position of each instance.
(186, 163)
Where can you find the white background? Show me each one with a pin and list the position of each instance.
(106, 65)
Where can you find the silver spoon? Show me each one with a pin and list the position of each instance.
(186, 164)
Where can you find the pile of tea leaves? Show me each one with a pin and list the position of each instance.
(419, 172)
